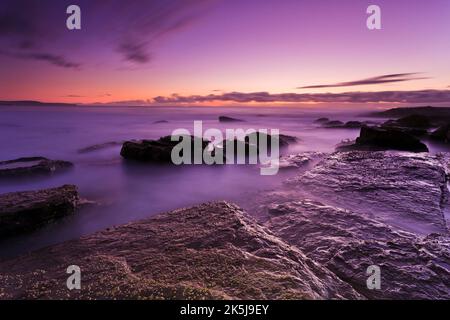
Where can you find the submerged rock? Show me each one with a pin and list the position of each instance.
(28, 210)
(321, 120)
(347, 125)
(100, 146)
(348, 243)
(211, 251)
(32, 166)
(376, 139)
(284, 140)
(229, 119)
(333, 124)
(405, 190)
(159, 151)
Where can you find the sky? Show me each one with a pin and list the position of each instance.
(225, 52)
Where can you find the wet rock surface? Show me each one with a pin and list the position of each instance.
(27, 210)
(347, 243)
(312, 238)
(209, 251)
(32, 166)
(406, 189)
(376, 139)
(159, 151)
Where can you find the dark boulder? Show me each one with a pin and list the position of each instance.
(376, 139)
(159, 151)
(32, 166)
(27, 210)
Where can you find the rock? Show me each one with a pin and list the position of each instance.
(32, 166)
(299, 161)
(348, 243)
(437, 116)
(321, 120)
(211, 251)
(100, 146)
(333, 124)
(159, 151)
(284, 140)
(27, 210)
(408, 191)
(250, 145)
(375, 139)
(354, 124)
(414, 121)
(441, 134)
(229, 119)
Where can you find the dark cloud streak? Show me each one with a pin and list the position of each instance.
(387, 78)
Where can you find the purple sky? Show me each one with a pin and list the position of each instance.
(217, 52)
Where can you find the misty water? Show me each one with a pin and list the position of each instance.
(127, 191)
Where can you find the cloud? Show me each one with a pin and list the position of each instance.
(421, 96)
(56, 60)
(36, 30)
(135, 52)
(387, 78)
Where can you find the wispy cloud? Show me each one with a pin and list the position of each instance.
(387, 78)
(32, 29)
(421, 96)
(57, 60)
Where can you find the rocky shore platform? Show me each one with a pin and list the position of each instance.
(312, 238)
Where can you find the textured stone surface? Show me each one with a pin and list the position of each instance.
(209, 251)
(407, 190)
(28, 210)
(31, 166)
(348, 243)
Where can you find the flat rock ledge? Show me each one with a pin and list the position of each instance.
(210, 251)
(31, 166)
(25, 211)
